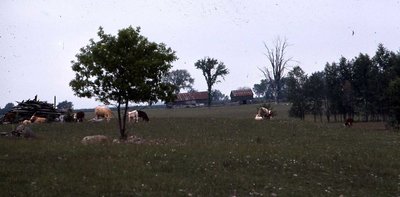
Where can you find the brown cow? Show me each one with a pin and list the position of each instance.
(9, 117)
(103, 112)
(349, 122)
(79, 116)
(37, 119)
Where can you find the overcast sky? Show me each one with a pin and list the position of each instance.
(39, 39)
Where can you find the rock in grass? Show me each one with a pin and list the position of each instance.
(25, 131)
(95, 139)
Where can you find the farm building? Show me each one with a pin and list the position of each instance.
(243, 96)
(191, 98)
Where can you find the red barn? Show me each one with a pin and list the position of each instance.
(191, 98)
(243, 96)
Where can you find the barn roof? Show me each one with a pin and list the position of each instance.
(192, 96)
(241, 93)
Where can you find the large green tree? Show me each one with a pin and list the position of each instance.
(264, 89)
(123, 68)
(384, 61)
(365, 84)
(260, 89)
(296, 92)
(218, 96)
(333, 93)
(345, 77)
(212, 69)
(314, 89)
(181, 79)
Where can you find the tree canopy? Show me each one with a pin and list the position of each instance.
(296, 92)
(122, 69)
(181, 79)
(6, 108)
(65, 105)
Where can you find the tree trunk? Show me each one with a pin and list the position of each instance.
(278, 91)
(320, 116)
(209, 95)
(122, 120)
(121, 127)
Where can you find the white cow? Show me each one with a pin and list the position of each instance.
(263, 113)
(133, 115)
(26, 122)
(258, 117)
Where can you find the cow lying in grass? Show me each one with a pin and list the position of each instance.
(258, 117)
(263, 113)
(37, 119)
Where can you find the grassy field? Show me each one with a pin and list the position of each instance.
(219, 151)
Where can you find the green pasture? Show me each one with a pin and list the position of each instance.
(218, 151)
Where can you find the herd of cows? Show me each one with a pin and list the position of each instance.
(101, 113)
(104, 113)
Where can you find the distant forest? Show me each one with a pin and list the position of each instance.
(365, 87)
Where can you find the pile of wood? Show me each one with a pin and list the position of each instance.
(26, 109)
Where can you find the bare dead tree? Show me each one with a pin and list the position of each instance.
(278, 63)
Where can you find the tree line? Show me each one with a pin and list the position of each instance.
(366, 88)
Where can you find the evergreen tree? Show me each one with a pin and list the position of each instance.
(314, 91)
(365, 84)
(333, 95)
(296, 93)
(346, 107)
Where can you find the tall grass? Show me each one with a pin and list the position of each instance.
(219, 151)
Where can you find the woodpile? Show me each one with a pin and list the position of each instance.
(26, 109)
